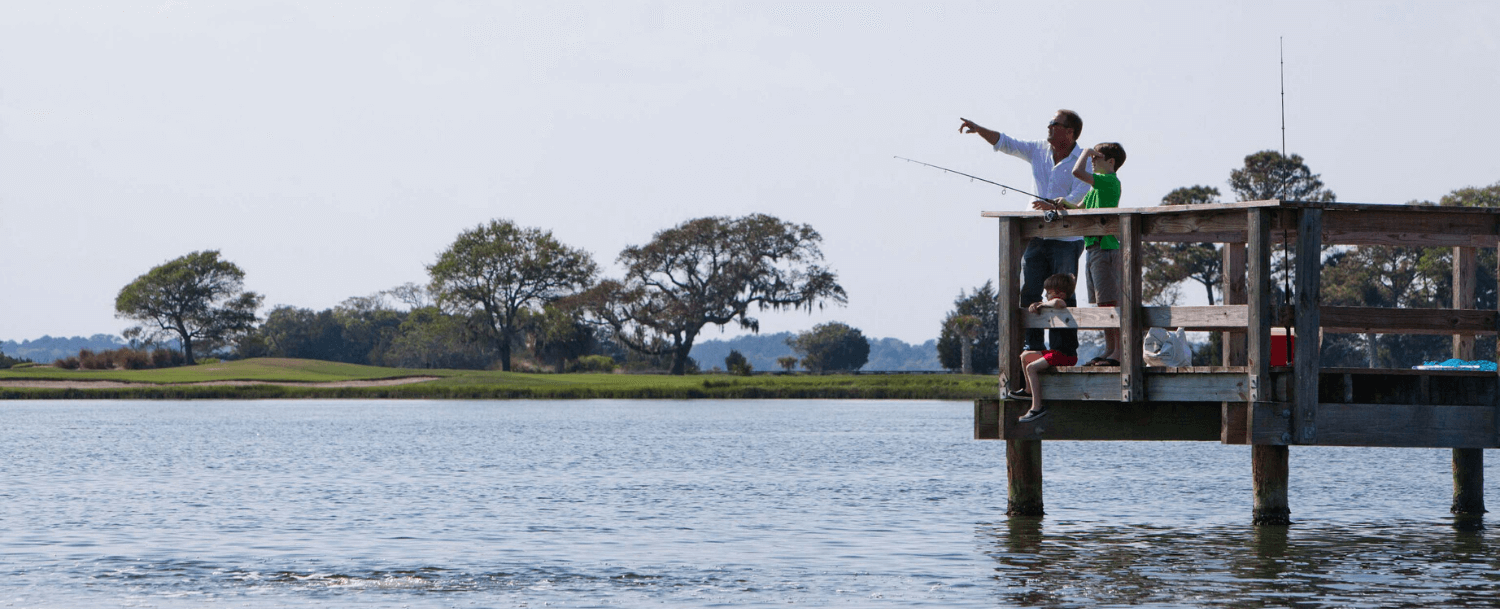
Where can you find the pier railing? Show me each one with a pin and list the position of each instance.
(1245, 400)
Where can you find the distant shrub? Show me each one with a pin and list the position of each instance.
(596, 363)
(737, 364)
(89, 360)
(67, 363)
(167, 358)
(132, 359)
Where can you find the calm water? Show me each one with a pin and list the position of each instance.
(702, 503)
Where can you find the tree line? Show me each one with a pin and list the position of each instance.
(499, 288)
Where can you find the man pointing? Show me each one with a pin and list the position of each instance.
(1052, 168)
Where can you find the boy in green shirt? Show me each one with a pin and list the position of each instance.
(1104, 252)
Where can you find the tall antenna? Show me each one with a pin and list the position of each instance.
(1281, 51)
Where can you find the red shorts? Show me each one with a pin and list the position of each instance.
(1056, 358)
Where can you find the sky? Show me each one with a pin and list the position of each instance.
(334, 149)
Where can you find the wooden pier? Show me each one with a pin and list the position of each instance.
(1246, 400)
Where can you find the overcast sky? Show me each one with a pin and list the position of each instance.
(333, 149)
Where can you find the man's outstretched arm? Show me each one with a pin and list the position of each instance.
(968, 126)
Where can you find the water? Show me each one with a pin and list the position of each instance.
(696, 503)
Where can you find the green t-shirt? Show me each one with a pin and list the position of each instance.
(1105, 193)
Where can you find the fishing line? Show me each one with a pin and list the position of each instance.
(1008, 188)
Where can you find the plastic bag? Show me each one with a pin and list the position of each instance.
(1164, 348)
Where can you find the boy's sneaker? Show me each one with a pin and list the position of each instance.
(1032, 416)
(1017, 394)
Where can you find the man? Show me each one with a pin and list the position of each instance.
(1052, 163)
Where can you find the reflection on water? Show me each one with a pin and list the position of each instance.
(706, 503)
(1389, 564)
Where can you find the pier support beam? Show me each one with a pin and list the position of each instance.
(1023, 467)
(1268, 467)
(1468, 463)
(1468, 481)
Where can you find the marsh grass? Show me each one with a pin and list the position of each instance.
(481, 384)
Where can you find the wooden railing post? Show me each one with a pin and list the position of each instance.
(1468, 463)
(1233, 277)
(1307, 299)
(1132, 360)
(1268, 463)
(1258, 287)
(1008, 298)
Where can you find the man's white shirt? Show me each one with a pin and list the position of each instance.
(1053, 180)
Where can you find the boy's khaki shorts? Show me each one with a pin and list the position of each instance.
(1104, 275)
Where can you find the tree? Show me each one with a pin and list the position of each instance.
(831, 346)
(430, 338)
(967, 328)
(495, 270)
(736, 363)
(711, 271)
(788, 363)
(1173, 263)
(556, 335)
(985, 358)
(1269, 175)
(199, 298)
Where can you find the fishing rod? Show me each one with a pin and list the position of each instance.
(1041, 198)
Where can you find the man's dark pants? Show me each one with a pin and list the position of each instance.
(1044, 258)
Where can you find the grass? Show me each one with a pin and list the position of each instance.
(483, 384)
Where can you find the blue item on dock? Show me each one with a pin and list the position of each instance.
(1458, 364)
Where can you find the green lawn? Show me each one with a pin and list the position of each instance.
(482, 384)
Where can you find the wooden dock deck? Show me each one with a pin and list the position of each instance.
(1246, 400)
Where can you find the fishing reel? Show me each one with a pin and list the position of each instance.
(1050, 215)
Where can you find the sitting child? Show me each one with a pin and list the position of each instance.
(1056, 289)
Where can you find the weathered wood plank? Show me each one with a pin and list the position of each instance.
(1359, 320)
(987, 419)
(1194, 387)
(1192, 318)
(1308, 303)
(1270, 423)
(1158, 386)
(1234, 289)
(1197, 225)
(1008, 297)
(1088, 318)
(1132, 330)
(1465, 279)
(1411, 425)
(1078, 420)
(1234, 422)
(1073, 223)
(1258, 289)
(1424, 226)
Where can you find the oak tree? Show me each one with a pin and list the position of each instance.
(711, 271)
(494, 271)
(198, 298)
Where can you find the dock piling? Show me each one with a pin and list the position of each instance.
(1023, 467)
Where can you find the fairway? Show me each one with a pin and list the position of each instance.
(299, 378)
